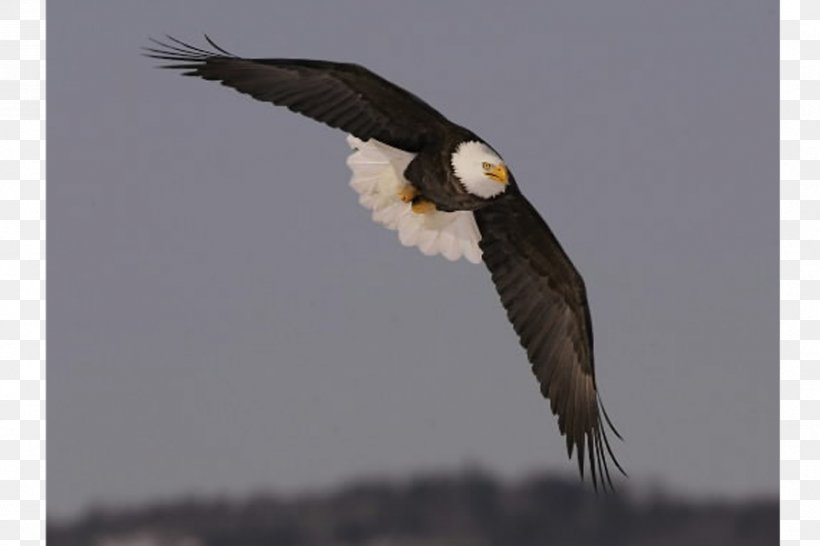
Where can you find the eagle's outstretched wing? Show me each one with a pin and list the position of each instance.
(342, 95)
(546, 302)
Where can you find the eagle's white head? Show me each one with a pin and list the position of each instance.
(479, 169)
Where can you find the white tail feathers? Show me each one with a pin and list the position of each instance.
(378, 177)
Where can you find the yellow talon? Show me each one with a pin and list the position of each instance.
(423, 206)
(408, 193)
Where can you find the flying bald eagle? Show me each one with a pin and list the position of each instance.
(446, 191)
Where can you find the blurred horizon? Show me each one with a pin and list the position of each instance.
(466, 507)
(623, 487)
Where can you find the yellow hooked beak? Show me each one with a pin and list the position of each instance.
(498, 173)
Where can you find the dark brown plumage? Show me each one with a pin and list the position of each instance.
(546, 302)
(343, 95)
(539, 287)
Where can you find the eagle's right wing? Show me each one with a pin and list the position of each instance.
(546, 302)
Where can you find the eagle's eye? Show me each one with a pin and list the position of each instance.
(486, 166)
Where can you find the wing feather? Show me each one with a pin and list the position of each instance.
(342, 95)
(545, 300)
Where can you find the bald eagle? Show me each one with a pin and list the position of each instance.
(446, 191)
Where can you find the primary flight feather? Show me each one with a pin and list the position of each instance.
(445, 191)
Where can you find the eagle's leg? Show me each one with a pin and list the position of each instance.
(422, 205)
(407, 193)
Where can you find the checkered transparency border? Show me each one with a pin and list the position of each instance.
(800, 271)
(22, 271)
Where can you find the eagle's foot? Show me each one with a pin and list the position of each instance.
(407, 193)
(422, 206)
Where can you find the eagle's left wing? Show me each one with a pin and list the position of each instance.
(546, 302)
(343, 95)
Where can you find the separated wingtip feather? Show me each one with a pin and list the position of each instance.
(217, 47)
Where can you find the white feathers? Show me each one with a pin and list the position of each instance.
(468, 164)
(378, 177)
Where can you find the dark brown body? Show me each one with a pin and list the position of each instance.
(431, 174)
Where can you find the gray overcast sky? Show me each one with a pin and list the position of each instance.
(224, 316)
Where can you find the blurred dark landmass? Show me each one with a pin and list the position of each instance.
(469, 508)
